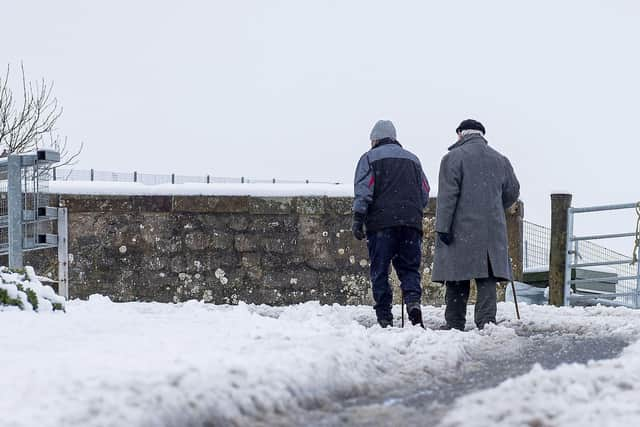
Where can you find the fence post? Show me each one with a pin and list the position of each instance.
(173, 178)
(636, 298)
(135, 176)
(515, 234)
(91, 174)
(242, 180)
(54, 174)
(274, 180)
(63, 253)
(14, 210)
(208, 179)
(560, 204)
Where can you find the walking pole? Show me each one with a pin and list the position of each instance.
(515, 299)
(402, 306)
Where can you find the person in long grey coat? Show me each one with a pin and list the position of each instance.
(476, 185)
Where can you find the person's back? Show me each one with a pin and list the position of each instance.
(476, 185)
(484, 171)
(391, 192)
(392, 177)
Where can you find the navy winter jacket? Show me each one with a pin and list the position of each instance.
(390, 187)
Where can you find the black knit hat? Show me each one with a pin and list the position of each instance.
(470, 124)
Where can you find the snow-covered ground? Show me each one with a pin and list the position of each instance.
(600, 393)
(152, 364)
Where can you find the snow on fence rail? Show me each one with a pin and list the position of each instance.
(159, 179)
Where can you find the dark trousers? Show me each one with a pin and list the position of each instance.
(456, 299)
(402, 247)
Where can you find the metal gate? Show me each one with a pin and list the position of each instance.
(27, 222)
(596, 275)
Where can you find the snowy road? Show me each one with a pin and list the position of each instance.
(192, 364)
(427, 401)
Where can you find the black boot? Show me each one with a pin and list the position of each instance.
(415, 313)
(449, 327)
(385, 322)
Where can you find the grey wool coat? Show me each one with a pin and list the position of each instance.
(476, 185)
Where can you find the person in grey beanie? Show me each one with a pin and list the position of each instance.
(391, 192)
(476, 184)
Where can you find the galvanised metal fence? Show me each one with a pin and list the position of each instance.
(65, 174)
(620, 271)
(536, 241)
(4, 211)
(25, 215)
(30, 185)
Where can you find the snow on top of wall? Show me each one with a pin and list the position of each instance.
(213, 189)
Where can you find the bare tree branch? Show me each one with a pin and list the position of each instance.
(68, 156)
(31, 124)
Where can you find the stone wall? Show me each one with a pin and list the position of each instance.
(223, 249)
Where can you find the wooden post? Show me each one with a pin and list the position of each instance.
(515, 214)
(560, 203)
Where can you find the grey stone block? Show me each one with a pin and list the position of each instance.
(271, 206)
(246, 243)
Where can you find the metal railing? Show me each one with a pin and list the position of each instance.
(26, 219)
(536, 240)
(64, 174)
(23, 191)
(616, 272)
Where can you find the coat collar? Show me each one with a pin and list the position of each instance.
(469, 139)
(386, 141)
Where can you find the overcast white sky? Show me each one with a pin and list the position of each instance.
(290, 89)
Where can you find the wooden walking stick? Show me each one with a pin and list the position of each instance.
(515, 299)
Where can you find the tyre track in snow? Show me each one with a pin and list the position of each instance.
(427, 400)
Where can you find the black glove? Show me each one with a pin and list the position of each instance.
(357, 228)
(445, 238)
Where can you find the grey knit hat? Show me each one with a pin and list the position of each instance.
(383, 129)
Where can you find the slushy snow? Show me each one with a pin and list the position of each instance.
(600, 393)
(153, 364)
